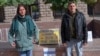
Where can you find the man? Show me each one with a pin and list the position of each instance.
(73, 30)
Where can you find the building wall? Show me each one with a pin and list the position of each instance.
(45, 11)
(47, 20)
(46, 14)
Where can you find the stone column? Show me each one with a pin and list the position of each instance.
(10, 12)
(83, 8)
(45, 11)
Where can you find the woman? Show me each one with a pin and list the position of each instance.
(23, 32)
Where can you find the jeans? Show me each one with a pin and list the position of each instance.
(26, 53)
(78, 47)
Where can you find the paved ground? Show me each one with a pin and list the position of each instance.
(93, 46)
(92, 49)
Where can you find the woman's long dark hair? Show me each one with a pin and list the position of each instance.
(17, 12)
(20, 5)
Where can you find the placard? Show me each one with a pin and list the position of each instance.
(49, 51)
(90, 37)
(49, 36)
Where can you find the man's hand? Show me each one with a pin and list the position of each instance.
(64, 44)
(13, 44)
(84, 44)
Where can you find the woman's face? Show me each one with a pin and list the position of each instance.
(22, 11)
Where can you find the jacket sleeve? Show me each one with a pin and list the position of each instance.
(11, 34)
(84, 30)
(36, 32)
(63, 30)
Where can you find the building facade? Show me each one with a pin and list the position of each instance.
(48, 19)
(44, 16)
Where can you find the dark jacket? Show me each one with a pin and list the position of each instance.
(80, 27)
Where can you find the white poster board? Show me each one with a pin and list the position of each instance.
(90, 36)
(49, 51)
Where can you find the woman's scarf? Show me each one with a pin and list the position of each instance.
(29, 23)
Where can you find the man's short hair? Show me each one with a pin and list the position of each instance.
(70, 2)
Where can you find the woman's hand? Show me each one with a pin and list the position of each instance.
(34, 42)
(13, 44)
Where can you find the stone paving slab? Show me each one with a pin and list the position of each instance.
(92, 49)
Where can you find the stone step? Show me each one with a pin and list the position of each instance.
(92, 49)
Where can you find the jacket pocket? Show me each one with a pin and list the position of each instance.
(18, 43)
(28, 42)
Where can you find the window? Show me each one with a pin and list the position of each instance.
(90, 10)
(34, 11)
(58, 14)
(94, 9)
(2, 15)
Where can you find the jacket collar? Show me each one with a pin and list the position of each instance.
(67, 13)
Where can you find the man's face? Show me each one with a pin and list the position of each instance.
(72, 8)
